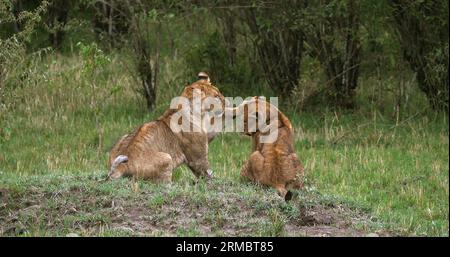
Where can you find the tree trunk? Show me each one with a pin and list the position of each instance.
(424, 41)
(58, 13)
(144, 69)
(147, 67)
(348, 77)
(17, 8)
(341, 65)
(280, 52)
(436, 90)
(227, 19)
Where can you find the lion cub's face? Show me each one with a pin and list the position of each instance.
(251, 111)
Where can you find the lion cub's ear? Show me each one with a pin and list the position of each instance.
(203, 76)
(284, 120)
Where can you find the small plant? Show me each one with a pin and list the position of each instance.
(275, 226)
(157, 201)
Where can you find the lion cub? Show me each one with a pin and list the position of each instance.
(272, 164)
(153, 150)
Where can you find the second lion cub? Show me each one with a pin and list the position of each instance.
(272, 164)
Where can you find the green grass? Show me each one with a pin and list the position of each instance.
(388, 174)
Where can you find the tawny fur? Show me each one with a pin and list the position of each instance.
(153, 150)
(273, 164)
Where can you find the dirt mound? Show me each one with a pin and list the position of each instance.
(80, 205)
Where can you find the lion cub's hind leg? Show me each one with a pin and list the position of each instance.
(298, 172)
(253, 167)
(156, 167)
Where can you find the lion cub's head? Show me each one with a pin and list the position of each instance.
(209, 95)
(259, 115)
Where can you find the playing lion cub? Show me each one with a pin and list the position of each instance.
(273, 164)
(153, 150)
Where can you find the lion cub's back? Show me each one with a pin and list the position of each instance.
(281, 162)
(151, 136)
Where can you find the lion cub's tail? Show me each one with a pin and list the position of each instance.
(119, 159)
(293, 184)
